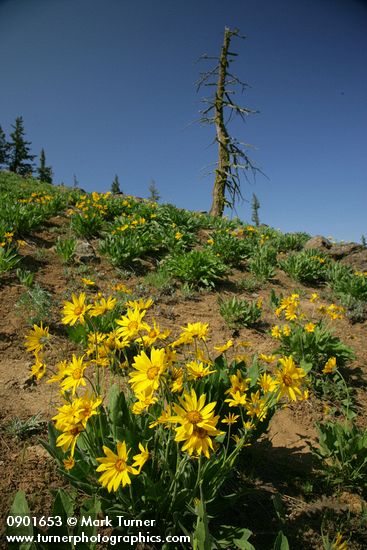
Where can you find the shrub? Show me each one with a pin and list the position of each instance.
(239, 312)
(65, 249)
(263, 262)
(197, 268)
(308, 266)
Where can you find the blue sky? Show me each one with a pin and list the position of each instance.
(108, 87)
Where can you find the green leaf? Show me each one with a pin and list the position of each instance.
(91, 508)
(20, 508)
(229, 535)
(64, 507)
(281, 542)
(202, 538)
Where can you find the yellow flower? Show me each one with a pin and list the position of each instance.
(146, 376)
(257, 406)
(87, 407)
(201, 356)
(145, 400)
(115, 468)
(314, 297)
(289, 378)
(154, 334)
(177, 376)
(330, 365)
(59, 375)
(37, 338)
(339, 543)
(102, 306)
(310, 327)
(267, 358)
(193, 412)
(140, 304)
(178, 236)
(230, 418)
(39, 368)
(267, 383)
(291, 312)
(248, 425)
(224, 348)
(67, 440)
(198, 424)
(88, 282)
(69, 463)
(276, 332)
(141, 458)
(238, 383)
(197, 370)
(120, 287)
(131, 324)
(210, 241)
(286, 330)
(193, 330)
(74, 375)
(236, 400)
(75, 311)
(164, 418)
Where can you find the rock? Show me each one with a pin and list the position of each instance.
(318, 242)
(358, 260)
(339, 251)
(84, 253)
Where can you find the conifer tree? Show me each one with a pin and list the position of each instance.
(44, 172)
(20, 159)
(255, 209)
(4, 148)
(115, 187)
(154, 195)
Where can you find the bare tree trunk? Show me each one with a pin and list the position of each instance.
(221, 172)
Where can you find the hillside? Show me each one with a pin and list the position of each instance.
(268, 299)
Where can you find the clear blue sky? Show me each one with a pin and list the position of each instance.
(108, 87)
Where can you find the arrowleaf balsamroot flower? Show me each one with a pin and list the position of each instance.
(131, 324)
(115, 468)
(289, 379)
(74, 375)
(330, 365)
(75, 311)
(198, 424)
(141, 458)
(37, 338)
(146, 376)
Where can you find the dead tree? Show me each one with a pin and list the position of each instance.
(219, 109)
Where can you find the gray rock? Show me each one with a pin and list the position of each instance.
(339, 251)
(84, 253)
(318, 242)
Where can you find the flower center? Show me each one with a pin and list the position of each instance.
(200, 433)
(153, 334)
(133, 325)
(120, 465)
(194, 417)
(77, 373)
(78, 310)
(152, 372)
(287, 380)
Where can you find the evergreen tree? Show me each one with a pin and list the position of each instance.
(20, 159)
(44, 172)
(115, 187)
(154, 195)
(4, 148)
(255, 209)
